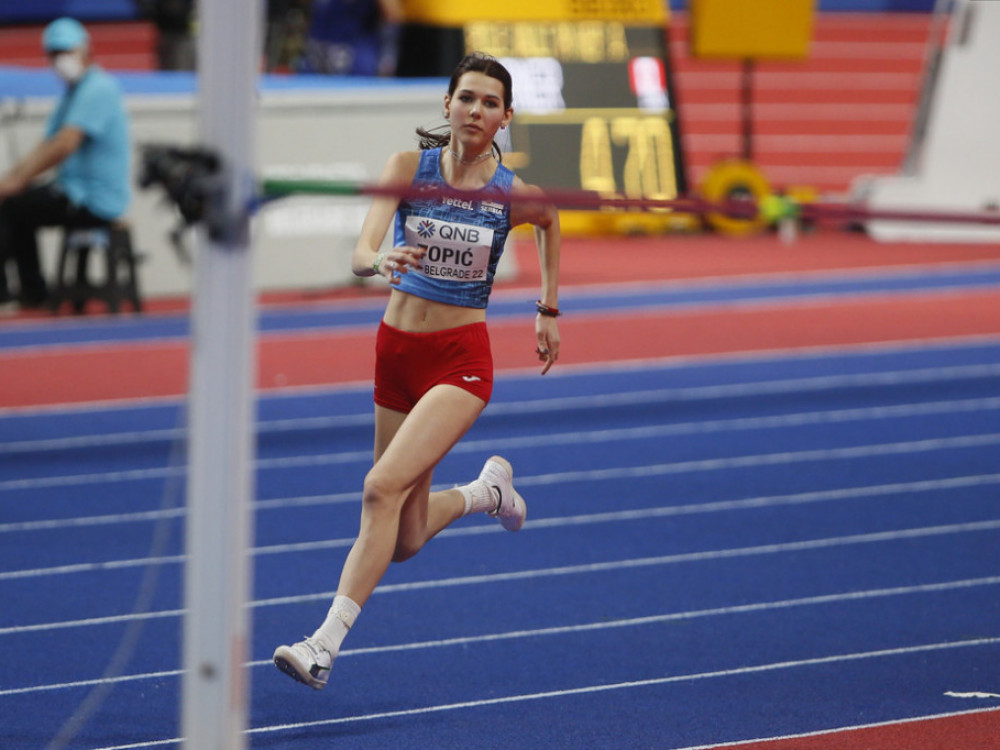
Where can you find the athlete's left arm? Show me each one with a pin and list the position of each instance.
(530, 206)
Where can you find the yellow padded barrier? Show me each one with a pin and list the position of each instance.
(751, 29)
(459, 12)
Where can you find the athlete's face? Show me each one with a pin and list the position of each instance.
(476, 109)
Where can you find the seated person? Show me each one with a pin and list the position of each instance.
(87, 141)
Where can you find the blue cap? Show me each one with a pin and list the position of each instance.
(64, 34)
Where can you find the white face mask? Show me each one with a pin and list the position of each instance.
(68, 66)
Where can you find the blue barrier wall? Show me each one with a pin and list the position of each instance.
(40, 11)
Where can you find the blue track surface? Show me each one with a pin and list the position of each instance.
(716, 551)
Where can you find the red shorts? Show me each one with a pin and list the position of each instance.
(407, 365)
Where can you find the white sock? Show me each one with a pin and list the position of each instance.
(343, 612)
(478, 497)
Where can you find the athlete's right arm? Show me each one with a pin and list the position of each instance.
(399, 172)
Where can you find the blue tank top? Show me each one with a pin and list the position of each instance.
(463, 236)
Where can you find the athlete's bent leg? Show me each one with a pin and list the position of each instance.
(399, 515)
(393, 512)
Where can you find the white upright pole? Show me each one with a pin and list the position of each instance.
(218, 580)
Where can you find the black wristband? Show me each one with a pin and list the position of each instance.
(548, 312)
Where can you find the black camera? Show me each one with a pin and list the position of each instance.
(189, 177)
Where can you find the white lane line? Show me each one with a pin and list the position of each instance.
(740, 671)
(562, 521)
(604, 688)
(787, 304)
(92, 622)
(685, 557)
(833, 416)
(765, 387)
(976, 695)
(766, 459)
(138, 437)
(364, 456)
(569, 570)
(808, 601)
(301, 501)
(85, 521)
(342, 542)
(596, 401)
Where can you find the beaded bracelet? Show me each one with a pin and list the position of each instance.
(379, 257)
(549, 312)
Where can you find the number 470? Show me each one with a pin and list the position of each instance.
(648, 171)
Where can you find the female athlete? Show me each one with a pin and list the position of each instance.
(434, 368)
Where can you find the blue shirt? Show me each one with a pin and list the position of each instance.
(97, 175)
(463, 235)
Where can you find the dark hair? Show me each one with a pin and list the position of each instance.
(474, 62)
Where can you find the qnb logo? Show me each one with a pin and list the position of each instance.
(426, 229)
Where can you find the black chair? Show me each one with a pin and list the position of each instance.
(120, 282)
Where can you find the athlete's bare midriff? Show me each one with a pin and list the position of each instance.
(418, 315)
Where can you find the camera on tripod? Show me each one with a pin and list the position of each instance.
(190, 177)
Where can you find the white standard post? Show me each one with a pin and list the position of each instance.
(218, 580)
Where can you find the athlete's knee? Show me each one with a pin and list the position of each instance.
(380, 495)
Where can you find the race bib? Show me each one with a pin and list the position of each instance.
(452, 251)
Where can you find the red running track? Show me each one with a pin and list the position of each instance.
(67, 375)
(158, 370)
(971, 731)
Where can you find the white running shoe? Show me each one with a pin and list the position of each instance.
(499, 478)
(306, 661)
